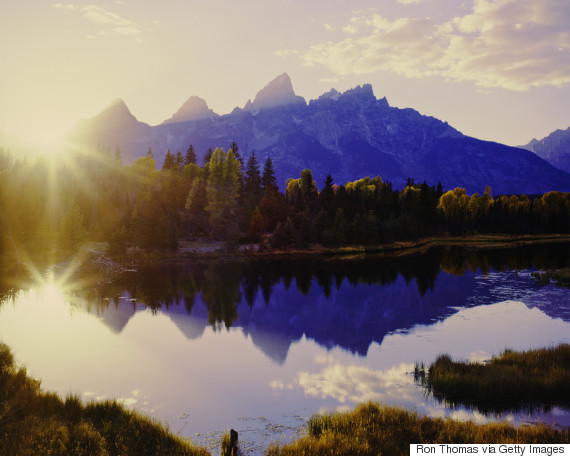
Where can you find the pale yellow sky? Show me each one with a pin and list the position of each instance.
(497, 70)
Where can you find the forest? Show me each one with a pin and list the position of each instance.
(51, 205)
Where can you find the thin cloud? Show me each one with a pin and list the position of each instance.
(512, 44)
(111, 21)
(67, 6)
(286, 52)
(101, 15)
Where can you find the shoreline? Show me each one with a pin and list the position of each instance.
(93, 259)
(217, 250)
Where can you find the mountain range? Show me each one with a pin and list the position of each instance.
(554, 148)
(349, 135)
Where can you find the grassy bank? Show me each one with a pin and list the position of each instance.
(509, 381)
(33, 422)
(371, 430)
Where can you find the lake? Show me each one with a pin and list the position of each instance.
(259, 346)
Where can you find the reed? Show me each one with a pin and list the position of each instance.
(513, 380)
(371, 429)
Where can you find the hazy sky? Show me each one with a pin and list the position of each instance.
(497, 70)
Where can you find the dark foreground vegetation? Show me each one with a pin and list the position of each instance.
(51, 206)
(510, 381)
(372, 430)
(33, 422)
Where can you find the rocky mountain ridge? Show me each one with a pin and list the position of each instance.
(554, 148)
(279, 92)
(195, 108)
(349, 135)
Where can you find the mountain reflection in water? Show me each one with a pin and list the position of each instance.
(349, 303)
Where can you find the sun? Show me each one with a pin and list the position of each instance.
(43, 134)
(47, 140)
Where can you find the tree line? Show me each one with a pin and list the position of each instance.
(51, 206)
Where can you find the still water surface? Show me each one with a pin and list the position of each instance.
(260, 346)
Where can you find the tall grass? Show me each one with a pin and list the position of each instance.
(229, 445)
(561, 276)
(33, 422)
(510, 381)
(371, 430)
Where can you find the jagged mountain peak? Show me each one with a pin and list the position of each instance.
(554, 148)
(111, 127)
(117, 102)
(278, 92)
(359, 95)
(116, 111)
(332, 94)
(364, 91)
(117, 105)
(195, 108)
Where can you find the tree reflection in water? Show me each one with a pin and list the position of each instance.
(224, 284)
(349, 302)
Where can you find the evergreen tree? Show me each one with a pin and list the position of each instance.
(268, 180)
(190, 157)
(252, 181)
(309, 189)
(208, 156)
(439, 190)
(327, 194)
(235, 149)
(169, 161)
(179, 161)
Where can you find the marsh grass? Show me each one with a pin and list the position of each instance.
(510, 381)
(560, 276)
(229, 447)
(371, 429)
(33, 422)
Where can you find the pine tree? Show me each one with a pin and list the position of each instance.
(252, 181)
(179, 161)
(235, 149)
(208, 156)
(309, 190)
(268, 180)
(169, 161)
(327, 194)
(190, 156)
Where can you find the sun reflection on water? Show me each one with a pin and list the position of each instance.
(51, 291)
